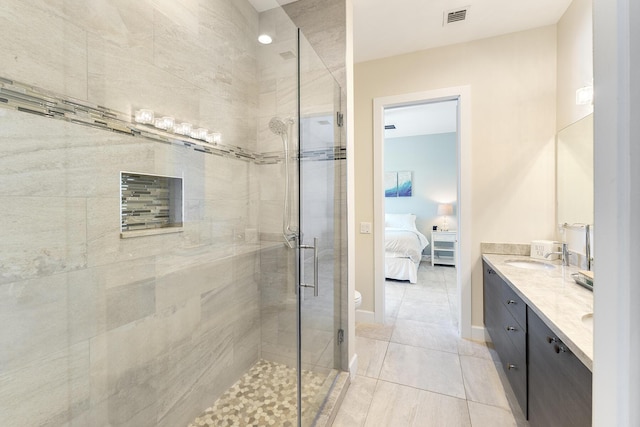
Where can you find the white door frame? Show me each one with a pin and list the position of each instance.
(463, 262)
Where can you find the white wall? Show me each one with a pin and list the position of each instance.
(513, 98)
(616, 380)
(432, 160)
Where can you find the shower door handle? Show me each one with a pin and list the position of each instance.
(315, 267)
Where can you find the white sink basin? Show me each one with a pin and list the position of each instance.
(529, 264)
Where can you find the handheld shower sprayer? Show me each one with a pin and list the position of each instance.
(281, 127)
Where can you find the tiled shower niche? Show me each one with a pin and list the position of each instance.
(150, 204)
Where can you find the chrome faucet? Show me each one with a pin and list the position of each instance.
(564, 253)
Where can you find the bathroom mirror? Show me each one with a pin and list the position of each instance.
(574, 172)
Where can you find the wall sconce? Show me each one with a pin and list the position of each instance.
(445, 209)
(584, 95)
(200, 133)
(168, 124)
(213, 138)
(165, 123)
(183, 129)
(144, 116)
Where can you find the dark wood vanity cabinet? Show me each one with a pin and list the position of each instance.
(559, 384)
(505, 317)
(550, 383)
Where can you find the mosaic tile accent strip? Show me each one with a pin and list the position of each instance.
(264, 396)
(150, 201)
(30, 99)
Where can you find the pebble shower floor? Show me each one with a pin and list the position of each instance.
(264, 396)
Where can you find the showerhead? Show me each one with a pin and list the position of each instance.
(279, 126)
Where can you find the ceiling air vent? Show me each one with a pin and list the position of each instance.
(386, 127)
(455, 15)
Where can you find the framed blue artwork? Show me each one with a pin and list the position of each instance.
(404, 184)
(397, 184)
(391, 184)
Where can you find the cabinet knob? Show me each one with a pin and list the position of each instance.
(511, 366)
(552, 340)
(560, 349)
(511, 328)
(511, 302)
(490, 271)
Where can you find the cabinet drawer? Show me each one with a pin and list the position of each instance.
(514, 304)
(439, 236)
(516, 333)
(514, 364)
(512, 358)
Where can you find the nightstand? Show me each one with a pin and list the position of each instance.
(443, 247)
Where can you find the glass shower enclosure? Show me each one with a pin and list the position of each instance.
(171, 254)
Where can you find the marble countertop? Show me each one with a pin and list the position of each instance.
(555, 298)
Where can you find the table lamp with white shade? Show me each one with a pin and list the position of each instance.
(445, 209)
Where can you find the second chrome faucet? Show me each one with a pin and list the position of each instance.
(564, 253)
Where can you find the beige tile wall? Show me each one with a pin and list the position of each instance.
(101, 330)
(143, 331)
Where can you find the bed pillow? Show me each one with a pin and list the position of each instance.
(405, 221)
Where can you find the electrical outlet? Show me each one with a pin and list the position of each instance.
(365, 228)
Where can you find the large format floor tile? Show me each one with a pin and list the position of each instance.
(440, 410)
(398, 405)
(482, 382)
(437, 314)
(420, 334)
(425, 369)
(422, 373)
(490, 416)
(374, 331)
(371, 354)
(356, 403)
(392, 405)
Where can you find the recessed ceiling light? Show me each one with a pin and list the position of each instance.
(265, 39)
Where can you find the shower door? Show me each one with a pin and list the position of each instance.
(321, 184)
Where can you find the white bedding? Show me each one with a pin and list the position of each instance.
(403, 252)
(404, 243)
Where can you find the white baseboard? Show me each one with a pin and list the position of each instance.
(365, 316)
(479, 333)
(353, 367)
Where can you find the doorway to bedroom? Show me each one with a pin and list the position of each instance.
(421, 214)
(420, 202)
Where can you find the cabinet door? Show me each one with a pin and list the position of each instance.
(559, 384)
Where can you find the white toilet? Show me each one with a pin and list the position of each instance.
(357, 299)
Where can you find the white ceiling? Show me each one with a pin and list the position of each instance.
(385, 28)
(421, 119)
(262, 5)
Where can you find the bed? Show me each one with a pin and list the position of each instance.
(403, 247)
